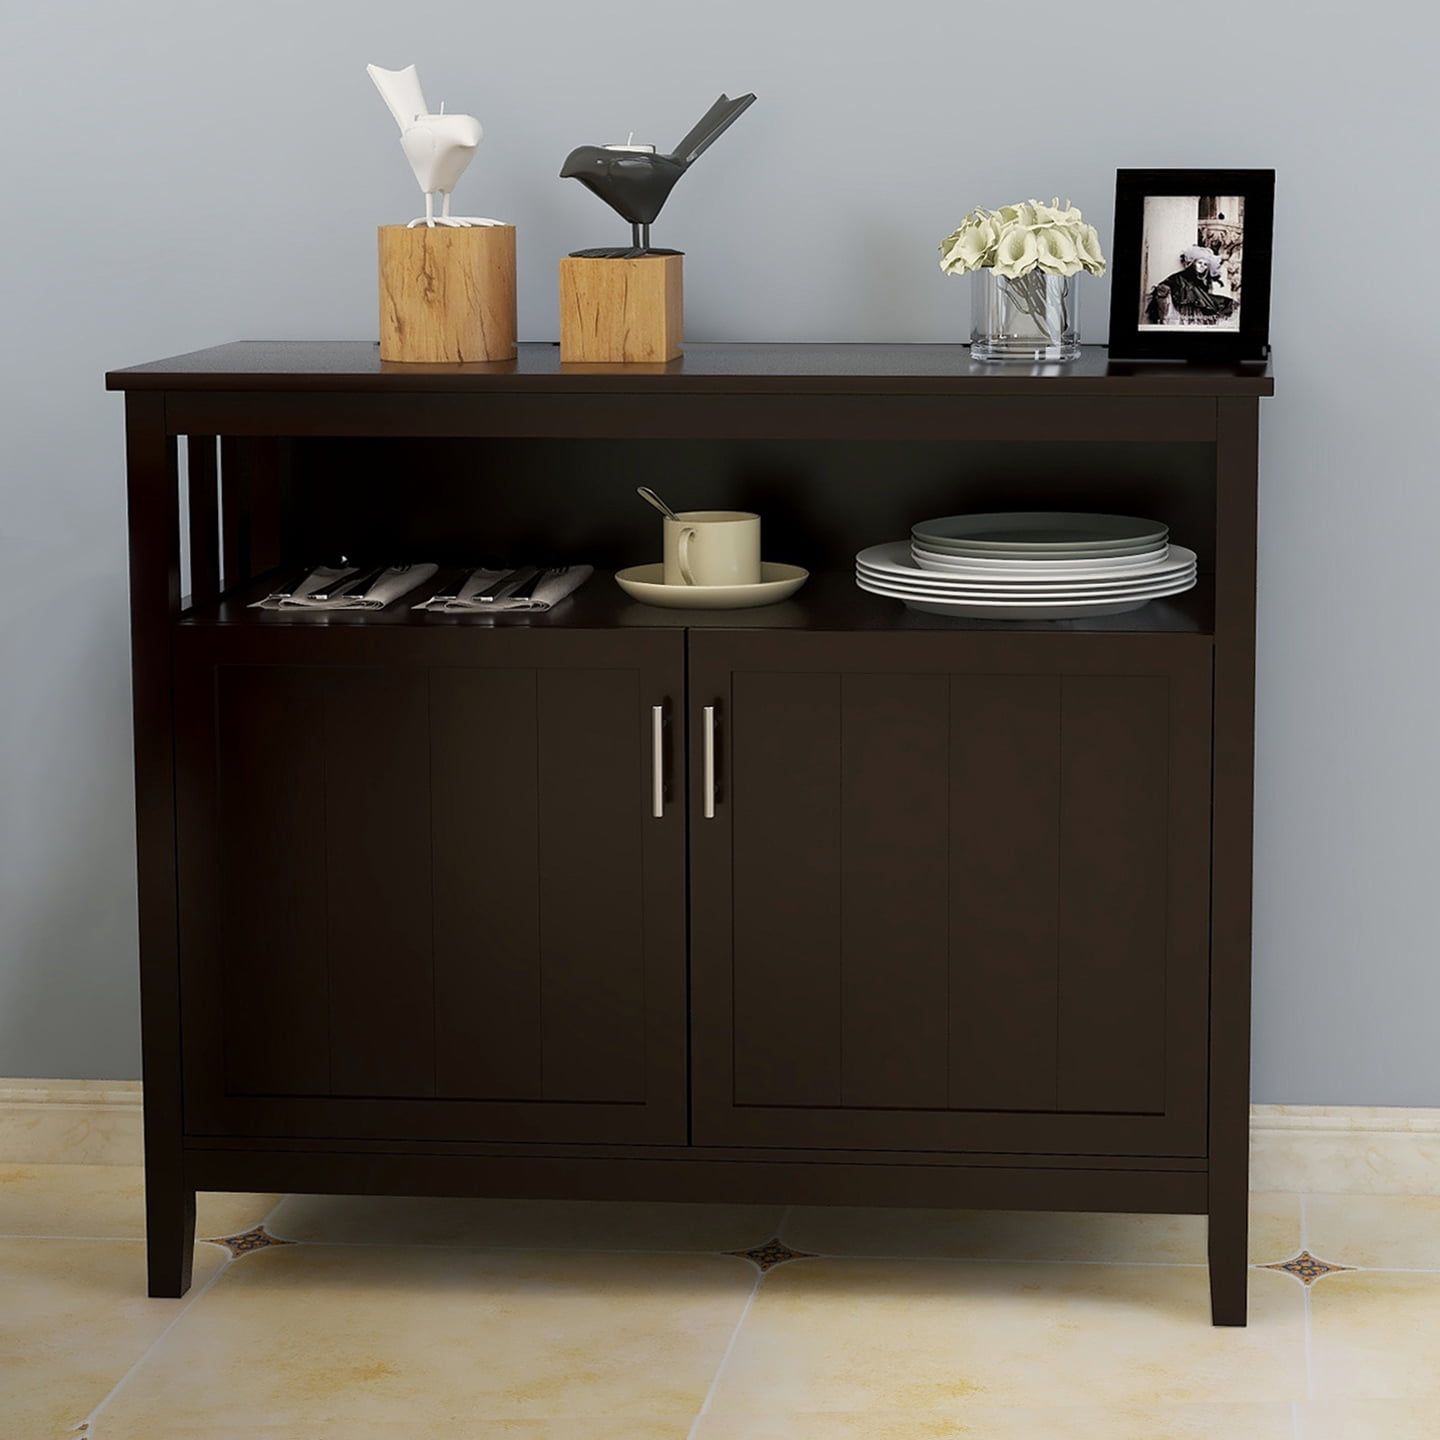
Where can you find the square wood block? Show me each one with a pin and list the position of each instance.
(621, 311)
(447, 295)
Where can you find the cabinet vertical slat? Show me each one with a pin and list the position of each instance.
(235, 512)
(372, 844)
(270, 928)
(203, 491)
(1114, 889)
(784, 789)
(592, 880)
(893, 864)
(1004, 864)
(486, 832)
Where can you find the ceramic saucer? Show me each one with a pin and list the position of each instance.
(647, 583)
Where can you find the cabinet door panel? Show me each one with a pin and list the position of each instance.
(955, 893)
(424, 895)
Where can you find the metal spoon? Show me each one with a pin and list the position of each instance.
(651, 498)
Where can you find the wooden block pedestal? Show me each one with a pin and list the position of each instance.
(447, 294)
(615, 311)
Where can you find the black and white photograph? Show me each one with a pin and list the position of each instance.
(1190, 276)
(1191, 258)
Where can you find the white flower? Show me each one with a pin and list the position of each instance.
(1087, 249)
(973, 246)
(970, 247)
(1055, 251)
(1016, 252)
(1016, 238)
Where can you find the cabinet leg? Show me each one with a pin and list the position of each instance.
(1229, 1262)
(169, 1238)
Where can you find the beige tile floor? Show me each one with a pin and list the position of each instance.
(336, 1319)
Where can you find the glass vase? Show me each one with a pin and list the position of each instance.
(1033, 319)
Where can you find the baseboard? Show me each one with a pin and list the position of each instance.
(1347, 1149)
(70, 1122)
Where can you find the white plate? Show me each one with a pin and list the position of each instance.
(1011, 610)
(895, 561)
(647, 583)
(1026, 597)
(979, 592)
(1065, 532)
(1041, 552)
(947, 584)
(1034, 565)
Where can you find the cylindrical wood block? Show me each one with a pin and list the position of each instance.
(447, 294)
(620, 311)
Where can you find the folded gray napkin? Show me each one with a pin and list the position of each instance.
(551, 590)
(397, 581)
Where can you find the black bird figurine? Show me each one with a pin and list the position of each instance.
(636, 184)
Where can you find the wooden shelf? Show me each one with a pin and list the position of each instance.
(827, 602)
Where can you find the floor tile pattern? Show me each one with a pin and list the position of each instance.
(249, 1241)
(1307, 1268)
(772, 1253)
(333, 1318)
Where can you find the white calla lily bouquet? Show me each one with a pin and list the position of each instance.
(1018, 239)
(1031, 251)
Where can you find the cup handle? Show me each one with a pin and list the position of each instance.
(683, 554)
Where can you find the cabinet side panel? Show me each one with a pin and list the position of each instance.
(269, 935)
(785, 802)
(485, 819)
(1004, 865)
(1115, 739)
(592, 885)
(894, 904)
(373, 841)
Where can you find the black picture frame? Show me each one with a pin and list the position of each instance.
(1251, 340)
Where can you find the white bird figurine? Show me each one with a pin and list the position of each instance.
(438, 147)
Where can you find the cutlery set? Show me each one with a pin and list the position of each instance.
(342, 584)
(526, 588)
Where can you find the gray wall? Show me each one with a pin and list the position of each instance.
(178, 173)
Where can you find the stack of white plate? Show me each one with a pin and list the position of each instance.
(1033, 565)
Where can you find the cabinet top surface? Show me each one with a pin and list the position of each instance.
(355, 365)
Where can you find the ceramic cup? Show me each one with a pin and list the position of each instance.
(712, 547)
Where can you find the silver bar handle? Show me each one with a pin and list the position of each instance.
(709, 762)
(657, 762)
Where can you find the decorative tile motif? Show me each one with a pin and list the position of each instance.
(772, 1253)
(257, 1239)
(1306, 1268)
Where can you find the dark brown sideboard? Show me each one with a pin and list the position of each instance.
(962, 919)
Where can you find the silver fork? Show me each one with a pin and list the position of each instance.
(490, 589)
(528, 589)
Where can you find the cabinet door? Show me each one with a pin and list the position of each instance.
(954, 893)
(424, 892)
